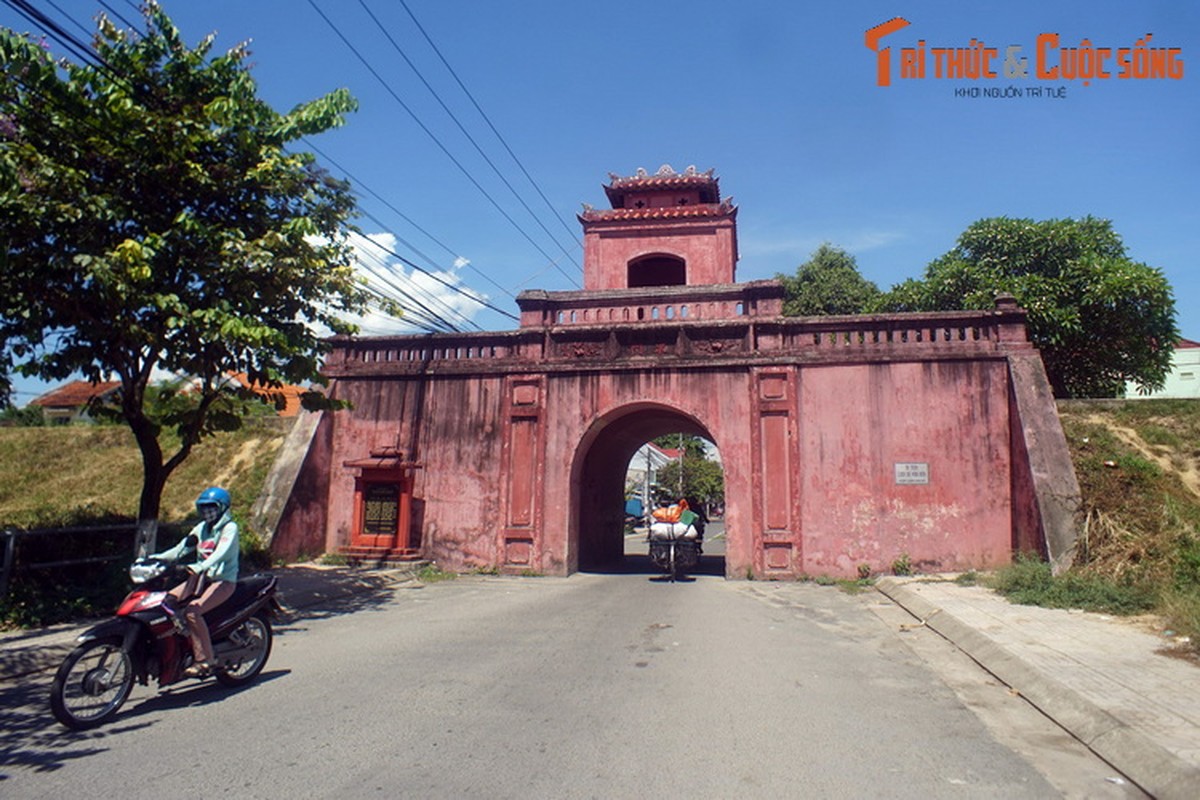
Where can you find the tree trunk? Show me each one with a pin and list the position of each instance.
(154, 478)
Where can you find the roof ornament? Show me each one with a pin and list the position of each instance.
(665, 171)
(612, 176)
(690, 171)
(588, 206)
(641, 172)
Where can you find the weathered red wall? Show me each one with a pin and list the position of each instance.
(859, 421)
(524, 438)
(709, 248)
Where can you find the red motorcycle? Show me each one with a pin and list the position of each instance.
(148, 638)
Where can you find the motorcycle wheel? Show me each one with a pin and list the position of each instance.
(91, 684)
(256, 631)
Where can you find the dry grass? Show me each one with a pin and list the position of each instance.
(58, 475)
(1137, 463)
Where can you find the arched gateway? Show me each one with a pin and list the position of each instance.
(846, 441)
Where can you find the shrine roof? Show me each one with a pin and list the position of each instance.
(723, 209)
(666, 179)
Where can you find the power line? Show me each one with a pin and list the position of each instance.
(445, 283)
(464, 131)
(404, 292)
(118, 14)
(570, 231)
(407, 219)
(437, 141)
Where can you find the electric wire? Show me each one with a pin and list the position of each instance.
(387, 87)
(390, 280)
(570, 231)
(357, 182)
(118, 14)
(417, 310)
(59, 34)
(69, 18)
(475, 298)
(487, 159)
(86, 53)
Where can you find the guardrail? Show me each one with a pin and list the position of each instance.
(12, 564)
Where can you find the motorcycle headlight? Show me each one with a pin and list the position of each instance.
(142, 571)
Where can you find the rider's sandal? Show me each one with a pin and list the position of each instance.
(198, 670)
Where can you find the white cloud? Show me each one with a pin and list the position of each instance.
(442, 292)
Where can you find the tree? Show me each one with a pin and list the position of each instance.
(828, 283)
(153, 219)
(703, 479)
(1099, 318)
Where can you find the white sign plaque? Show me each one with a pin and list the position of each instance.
(912, 473)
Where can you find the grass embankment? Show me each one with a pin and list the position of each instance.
(91, 475)
(1138, 464)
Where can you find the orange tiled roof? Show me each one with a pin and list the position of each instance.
(291, 394)
(74, 394)
(724, 209)
(666, 179)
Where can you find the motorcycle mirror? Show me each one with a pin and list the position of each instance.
(192, 540)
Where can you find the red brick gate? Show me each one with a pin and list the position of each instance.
(845, 441)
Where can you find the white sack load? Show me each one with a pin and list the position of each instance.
(672, 530)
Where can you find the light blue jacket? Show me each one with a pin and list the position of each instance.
(216, 551)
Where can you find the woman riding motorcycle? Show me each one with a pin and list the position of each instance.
(213, 546)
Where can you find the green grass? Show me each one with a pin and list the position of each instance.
(74, 474)
(432, 573)
(89, 475)
(1139, 549)
(1028, 580)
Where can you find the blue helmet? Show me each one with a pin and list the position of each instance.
(214, 496)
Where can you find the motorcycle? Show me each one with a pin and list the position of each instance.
(675, 547)
(148, 638)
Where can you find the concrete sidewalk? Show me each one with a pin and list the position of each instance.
(1127, 693)
(301, 586)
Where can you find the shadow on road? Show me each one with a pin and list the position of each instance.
(310, 593)
(640, 564)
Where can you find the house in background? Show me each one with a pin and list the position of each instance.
(641, 476)
(69, 403)
(1183, 381)
(289, 394)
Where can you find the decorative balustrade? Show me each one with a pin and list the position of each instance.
(596, 340)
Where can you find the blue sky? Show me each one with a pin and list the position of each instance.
(781, 99)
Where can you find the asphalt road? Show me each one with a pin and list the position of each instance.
(597, 685)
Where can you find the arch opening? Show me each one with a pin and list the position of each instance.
(606, 475)
(658, 269)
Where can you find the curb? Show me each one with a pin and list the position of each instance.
(1156, 770)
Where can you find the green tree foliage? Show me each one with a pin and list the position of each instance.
(152, 217)
(703, 478)
(30, 416)
(1098, 317)
(828, 283)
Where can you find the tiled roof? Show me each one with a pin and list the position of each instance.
(74, 394)
(662, 181)
(666, 179)
(1186, 344)
(291, 394)
(666, 212)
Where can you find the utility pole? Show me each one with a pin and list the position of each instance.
(681, 452)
